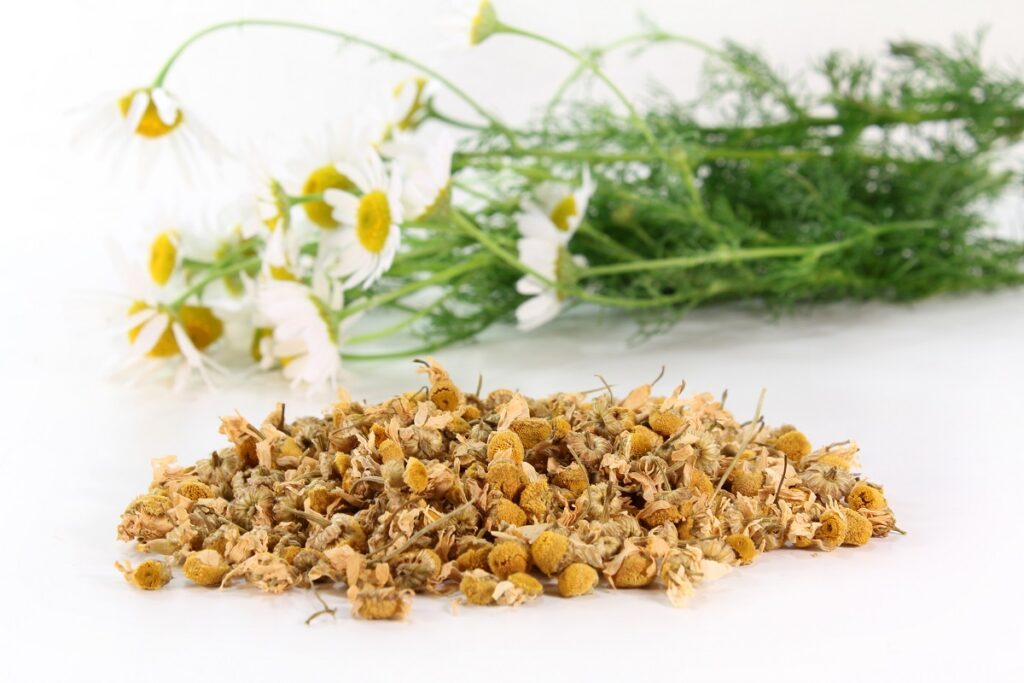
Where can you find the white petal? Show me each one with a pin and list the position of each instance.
(149, 335)
(537, 311)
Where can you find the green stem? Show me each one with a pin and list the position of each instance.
(350, 37)
(752, 254)
(405, 290)
(397, 327)
(213, 276)
(294, 200)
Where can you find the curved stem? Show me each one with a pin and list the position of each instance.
(213, 276)
(397, 327)
(350, 37)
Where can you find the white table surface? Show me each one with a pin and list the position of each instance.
(931, 392)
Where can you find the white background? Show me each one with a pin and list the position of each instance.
(932, 392)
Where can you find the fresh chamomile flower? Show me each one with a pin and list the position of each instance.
(317, 168)
(408, 105)
(471, 22)
(365, 246)
(426, 166)
(558, 205)
(144, 122)
(300, 334)
(549, 257)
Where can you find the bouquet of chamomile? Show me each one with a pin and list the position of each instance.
(871, 182)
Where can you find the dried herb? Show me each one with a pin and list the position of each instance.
(497, 497)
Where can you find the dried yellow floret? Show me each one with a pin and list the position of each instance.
(573, 478)
(507, 511)
(794, 444)
(636, 571)
(528, 583)
(415, 476)
(531, 430)
(506, 443)
(858, 528)
(665, 423)
(149, 576)
(744, 547)
(193, 489)
(445, 395)
(205, 567)
(341, 463)
(478, 590)
(535, 498)
(701, 482)
(508, 558)
(507, 477)
(550, 551)
(644, 441)
(864, 495)
(746, 482)
(474, 558)
(560, 427)
(390, 451)
(576, 579)
(833, 528)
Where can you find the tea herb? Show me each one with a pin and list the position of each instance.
(497, 497)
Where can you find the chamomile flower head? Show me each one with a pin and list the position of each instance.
(162, 334)
(365, 245)
(146, 123)
(302, 337)
(408, 105)
(426, 167)
(317, 168)
(557, 210)
(471, 22)
(551, 260)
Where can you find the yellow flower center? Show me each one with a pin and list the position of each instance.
(563, 211)
(324, 178)
(373, 220)
(281, 273)
(439, 203)
(150, 124)
(201, 326)
(163, 254)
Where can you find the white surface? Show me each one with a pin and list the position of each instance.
(930, 392)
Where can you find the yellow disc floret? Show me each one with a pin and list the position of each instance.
(373, 220)
(563, 212)
(858, 528)
(324, 178)
(864, 495)
(531, 430)
(794, 444)
(206, 568)
(163, 255)
(833, 529)
(744, 547)
(508, 558)
(193, 489)
(200, 324)
(529, 584)
(506, 443)
(415, 476)
(576, 579)
(149, 576)
(150, 124)
(550, 551)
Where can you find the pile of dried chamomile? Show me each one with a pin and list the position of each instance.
(500, 498)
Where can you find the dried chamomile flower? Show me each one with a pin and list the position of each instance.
(864, 495)
(478, 587)
(858, 528)
(560, 427)
(744, 547)
(506, 443)
(415, 476)
(636, 571)
(474, 558)
(643, 441)
(507, 558)
(701, 482)
(380, 603)
(576, 579)
(550, 552)
(573, 478)
(747, 482)
(149, 576)
(529, 584)
(827, 481)
(535, 498)
(193, 489)
(507, 511)
(506, 476)
(205, 567)
(665, 423)
(531, 430)
(832, 531)
(429, 491)
(794, 444)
